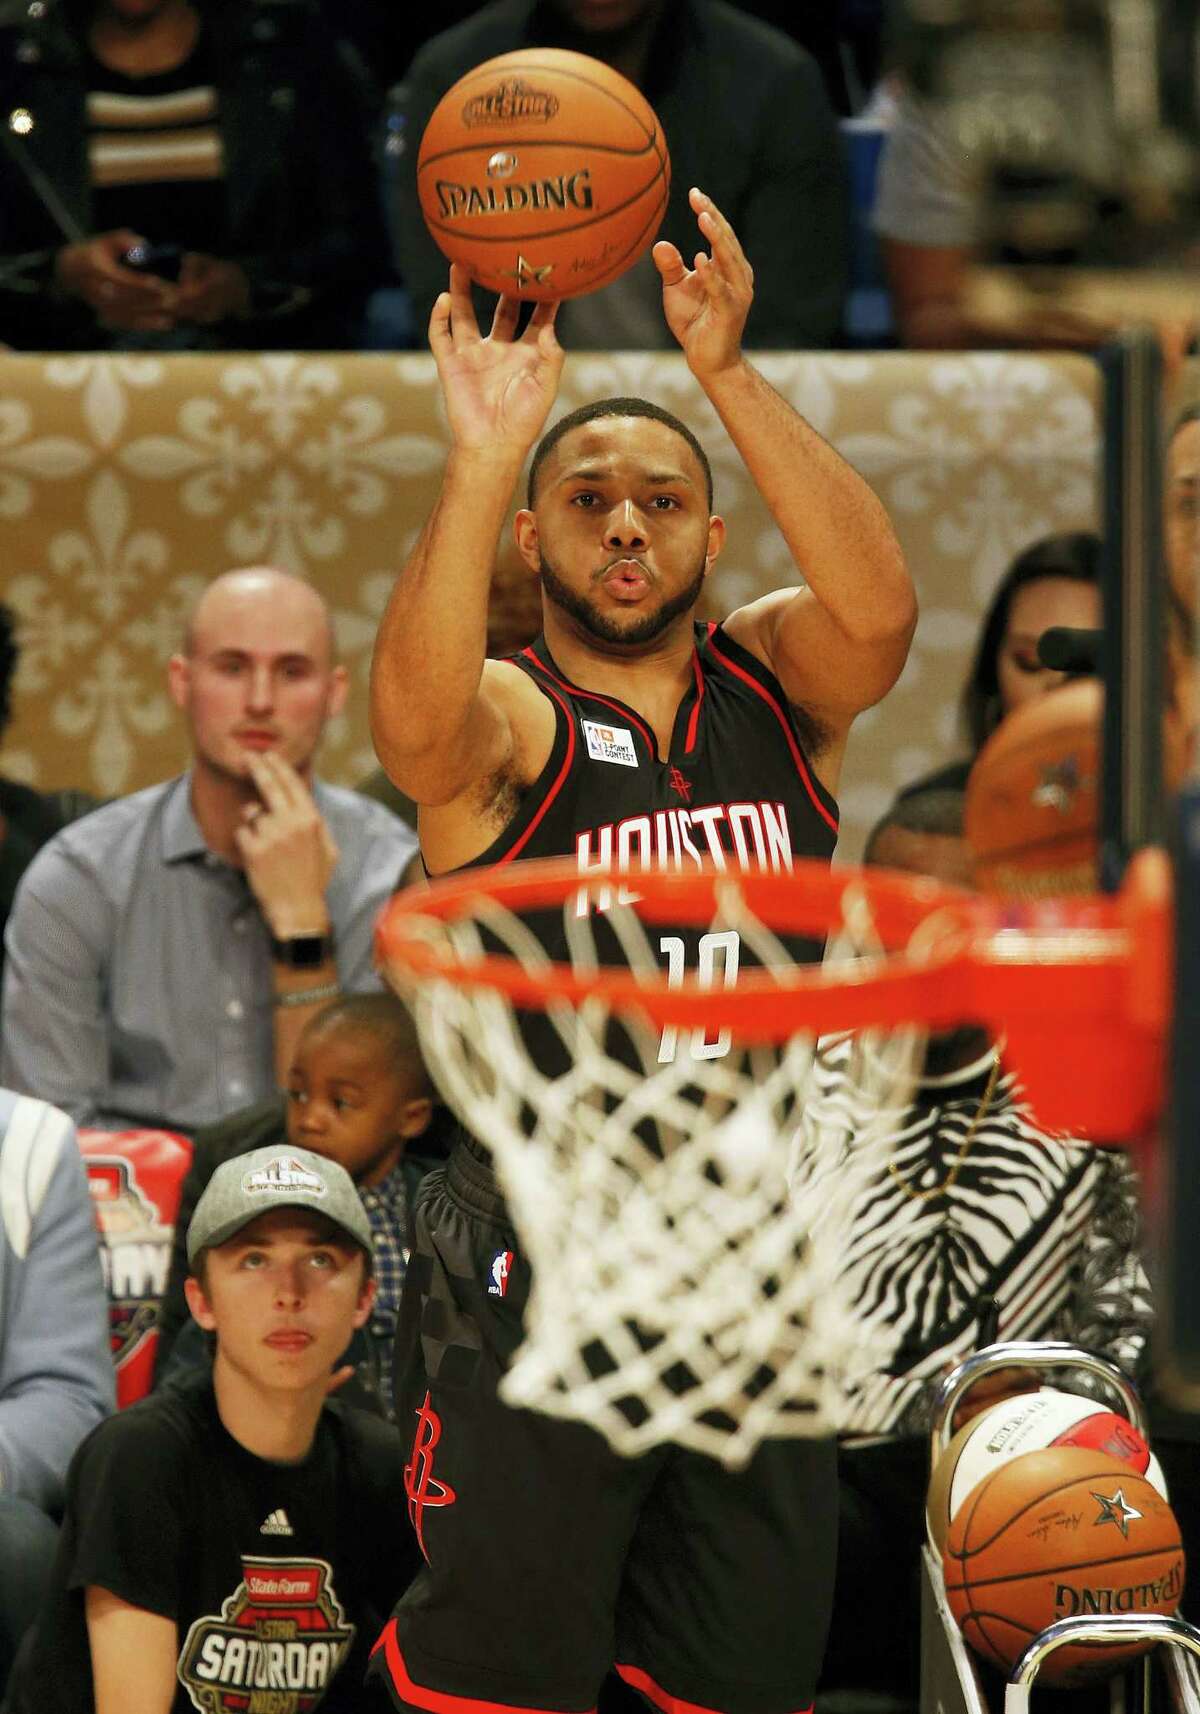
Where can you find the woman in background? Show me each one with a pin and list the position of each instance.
(1053, 582)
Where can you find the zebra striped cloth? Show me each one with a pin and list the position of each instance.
(1045, 1227)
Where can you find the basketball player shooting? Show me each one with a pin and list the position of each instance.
(626, 734)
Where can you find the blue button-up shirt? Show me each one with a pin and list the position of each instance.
(138, 987)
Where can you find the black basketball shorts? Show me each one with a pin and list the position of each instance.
(548, 1557)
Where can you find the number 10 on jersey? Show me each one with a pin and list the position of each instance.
(717, 966)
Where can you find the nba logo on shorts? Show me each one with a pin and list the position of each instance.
(498, 1282)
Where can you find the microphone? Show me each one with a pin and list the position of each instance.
(1068, 650)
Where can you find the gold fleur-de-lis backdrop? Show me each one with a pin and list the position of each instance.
(126, 482)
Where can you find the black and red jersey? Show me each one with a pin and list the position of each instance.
(736, 788)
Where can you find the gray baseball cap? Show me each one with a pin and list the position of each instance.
(276, 1177)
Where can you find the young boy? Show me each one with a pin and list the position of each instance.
(358, 1093)
(231, 1542)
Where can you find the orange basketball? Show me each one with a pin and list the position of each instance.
(1031, 811)
(544, 173)
(1052, 1535)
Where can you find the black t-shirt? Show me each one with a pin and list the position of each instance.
(278, 1576)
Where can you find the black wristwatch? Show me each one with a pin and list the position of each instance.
(302, 951)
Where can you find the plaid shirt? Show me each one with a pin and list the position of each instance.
(387, 1204)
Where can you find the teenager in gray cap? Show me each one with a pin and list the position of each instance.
(266, 1181)
(237, 1532)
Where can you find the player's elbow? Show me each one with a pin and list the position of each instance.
(409, 731)
(422, 772)
(890, 616)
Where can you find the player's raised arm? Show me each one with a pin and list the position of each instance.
(839, 644)
(438, 720)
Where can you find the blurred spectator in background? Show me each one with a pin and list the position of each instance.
(183, 174)
(56, 1373)
(1055, 581)
(922, 834)
(843, 36)
(27, 818)
(746, 118)
(165, 951)
(931, 210)
(358, 1094)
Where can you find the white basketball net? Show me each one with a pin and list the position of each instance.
(685, 1237)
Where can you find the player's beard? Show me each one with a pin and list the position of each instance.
(603, 629)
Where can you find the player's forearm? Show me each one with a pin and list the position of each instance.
(837, 532)
(432, 643)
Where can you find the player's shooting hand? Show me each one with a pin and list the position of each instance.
(706, 305)
(498, 390)
(287, 851)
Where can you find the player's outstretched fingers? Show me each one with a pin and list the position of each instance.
(716, 285)
(719, 290)
(540, 329)
(463, 325)
(508, 313)
(441, 341)
(727, 251)
(670, 264)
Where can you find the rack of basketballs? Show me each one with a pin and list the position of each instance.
(1049, 1524)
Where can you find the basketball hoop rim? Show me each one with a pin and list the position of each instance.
(982, 959)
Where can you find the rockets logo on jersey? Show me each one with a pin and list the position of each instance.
(275, 1645)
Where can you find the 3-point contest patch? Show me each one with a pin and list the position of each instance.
(610, 744)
